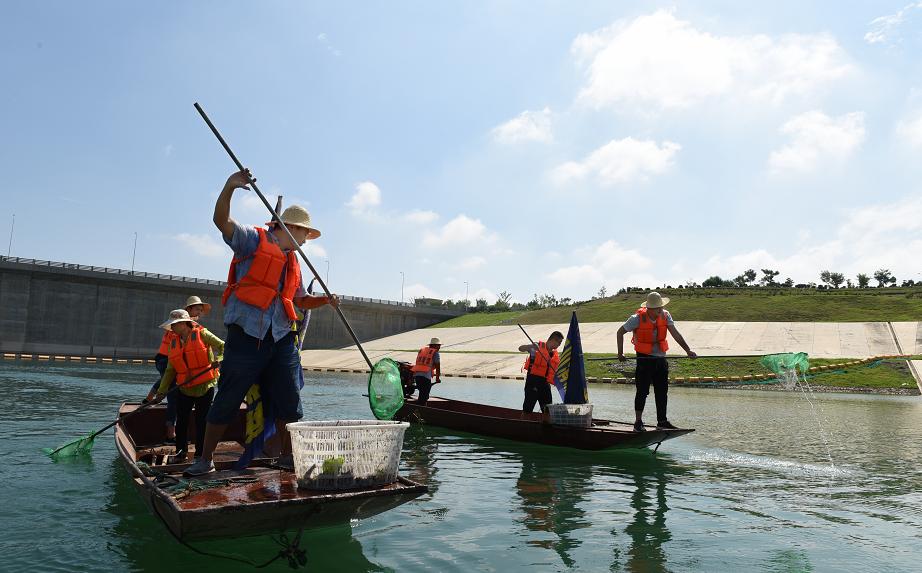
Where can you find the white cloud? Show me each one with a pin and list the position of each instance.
(324, 41)
(816, 137)
(660, 60)
(367, 197)
(204, 245)
(527, 126)
(462, 230)
(418, 290)
(421, 217)
(885, 29)
(312, 249)
(620, 161)
(909, 130)
(608, 263)
(876, 236)
(168, 150)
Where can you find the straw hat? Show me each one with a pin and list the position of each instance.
(654, 300)
(299, 217)
(435, 342)
(178, 315)
(194, 300)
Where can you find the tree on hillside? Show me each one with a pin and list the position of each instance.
(502, 301)
(602, 292)
(884, 278)
(747, 278)
(768, 277)
(849, 284)
(716, 281)
(788, 282)
(863, 280)
(909, 283)
(832, 279)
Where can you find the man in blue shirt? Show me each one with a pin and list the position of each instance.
(264, 286)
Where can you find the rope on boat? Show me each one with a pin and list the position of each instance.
(180, 488)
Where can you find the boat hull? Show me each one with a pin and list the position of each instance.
(516, 425)
(258, 500)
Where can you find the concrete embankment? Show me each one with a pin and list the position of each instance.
(489, 351)
(52, 308)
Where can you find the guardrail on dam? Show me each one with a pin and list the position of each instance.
(50, 307)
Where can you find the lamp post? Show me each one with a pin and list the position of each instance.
(134, 251)
(401, 286)
(466, 300)
(328, 271)
(9, 247)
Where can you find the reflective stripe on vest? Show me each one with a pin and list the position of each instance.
(642, 338)
(168, 336)
(424, 360)
(191, 358)
(539, 366)
(260, 285)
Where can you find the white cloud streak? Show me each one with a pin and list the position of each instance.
(528, 126)
(885, 29)
(367, 197)
(658, 60)
(619, 161)
(204, 245)
(816, 138)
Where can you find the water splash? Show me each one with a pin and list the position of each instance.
(786, 467)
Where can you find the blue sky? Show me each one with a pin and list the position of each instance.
(528, 147)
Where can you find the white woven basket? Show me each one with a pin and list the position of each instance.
(579, 415)
(344, 454)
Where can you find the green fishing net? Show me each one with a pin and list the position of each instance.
(385, 392)
(786, 361)
(75, 448)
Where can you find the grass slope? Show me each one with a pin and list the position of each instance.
(739, 305)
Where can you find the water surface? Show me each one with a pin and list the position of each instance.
(752, 490)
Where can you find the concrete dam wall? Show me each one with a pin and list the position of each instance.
(77, 310)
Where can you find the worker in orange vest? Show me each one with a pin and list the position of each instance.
(193, 355)
(428, 363)
(263, 288)
(650, 324)
(196, 308)
(541, 365)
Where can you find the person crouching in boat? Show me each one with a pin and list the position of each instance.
(541, 365)
(650, 324)
(428, 362)
(263, 287)
(196, 308)
(193, 357)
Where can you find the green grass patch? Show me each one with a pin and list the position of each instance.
(881, 374)
(719, 304)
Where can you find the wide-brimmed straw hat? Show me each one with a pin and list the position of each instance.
(178, 315)
(299, 217)
(654, 300)
(435, 342)
(194, 300)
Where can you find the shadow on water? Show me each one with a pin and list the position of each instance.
(146, 544)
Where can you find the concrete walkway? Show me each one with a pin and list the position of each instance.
(490, 351)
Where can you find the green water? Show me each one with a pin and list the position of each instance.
(751, 490)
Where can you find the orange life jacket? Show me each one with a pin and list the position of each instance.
(165, 342)
(539, 365)
(643, 340)
(191, 358)
(424, 360)
(260, 285)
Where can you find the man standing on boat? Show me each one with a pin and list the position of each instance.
(540, 366)
(650, 324)
(428, 362)
(263, 287)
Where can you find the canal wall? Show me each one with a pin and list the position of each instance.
(49, 307)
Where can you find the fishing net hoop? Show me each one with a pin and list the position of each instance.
(385, 390)
(786, 365)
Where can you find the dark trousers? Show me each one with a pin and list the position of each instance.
(184, 406)
(424, 385)
(651, 370)
(161, 361)
(537, 391)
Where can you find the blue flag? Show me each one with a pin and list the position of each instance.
(570, 378)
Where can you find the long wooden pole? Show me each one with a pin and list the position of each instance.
(278, 219)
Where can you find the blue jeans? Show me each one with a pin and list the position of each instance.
(161, 361)
(274, 364)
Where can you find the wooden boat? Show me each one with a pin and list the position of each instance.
(514, 425)
(229, 503)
